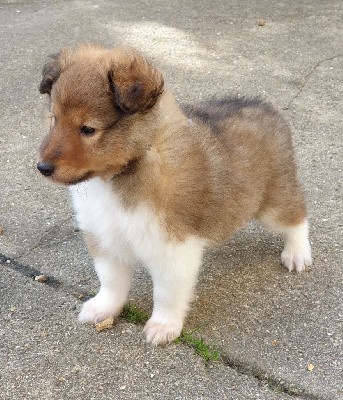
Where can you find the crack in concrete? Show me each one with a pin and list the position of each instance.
(25, 270)
(305, 78)
(276, 385)
(31, 273)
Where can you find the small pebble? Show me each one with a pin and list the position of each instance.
(41, 278)
(261, 22)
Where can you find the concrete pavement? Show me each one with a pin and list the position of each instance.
(269, 325)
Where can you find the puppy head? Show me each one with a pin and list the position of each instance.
(99, 99)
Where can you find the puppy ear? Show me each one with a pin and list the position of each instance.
(51, 72)
(135, 83)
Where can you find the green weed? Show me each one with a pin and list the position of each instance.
(131, 313)
(200, 347)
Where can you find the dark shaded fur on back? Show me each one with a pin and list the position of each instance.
(212, 112)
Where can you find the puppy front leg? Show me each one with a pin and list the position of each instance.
(115, 278)
(174, 279)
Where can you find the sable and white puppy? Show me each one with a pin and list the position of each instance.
(156, 184)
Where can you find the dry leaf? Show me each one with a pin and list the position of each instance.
(1, 230)
(105, 324)
(310, 367)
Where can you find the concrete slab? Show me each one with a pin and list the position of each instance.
(268, 324)
(46, 355)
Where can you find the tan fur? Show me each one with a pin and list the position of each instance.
(205, 171)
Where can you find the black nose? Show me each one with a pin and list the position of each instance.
(45, 169)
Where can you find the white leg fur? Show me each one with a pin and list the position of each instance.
(174, 279)
(297, 252)
(115, 278)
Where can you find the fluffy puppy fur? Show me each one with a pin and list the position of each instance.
(153, 183)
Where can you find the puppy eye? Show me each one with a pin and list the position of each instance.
(87, 130)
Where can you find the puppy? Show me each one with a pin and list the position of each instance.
(153, 183)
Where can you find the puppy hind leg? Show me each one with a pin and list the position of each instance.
(174, 279)
(296, 254)
(297, 251)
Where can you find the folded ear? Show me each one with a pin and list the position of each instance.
(135, 83)
(51, 72)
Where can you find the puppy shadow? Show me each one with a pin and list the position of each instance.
(237, 276)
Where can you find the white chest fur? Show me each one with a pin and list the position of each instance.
(130, 235)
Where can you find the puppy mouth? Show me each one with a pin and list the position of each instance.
(80, 179)
(72, 181)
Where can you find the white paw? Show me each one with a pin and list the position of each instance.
(159, 334)
(297, 257)
(98, 309)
